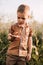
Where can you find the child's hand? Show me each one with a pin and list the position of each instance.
(17, 36)
(9, 36)
(28, 57)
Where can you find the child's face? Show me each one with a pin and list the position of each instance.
(22, 17)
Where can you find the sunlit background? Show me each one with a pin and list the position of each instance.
(8, 16)
(8, 9)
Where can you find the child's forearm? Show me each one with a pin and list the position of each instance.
(16, 36)
(30, 45)
(12, 37)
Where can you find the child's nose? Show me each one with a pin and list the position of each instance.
(20, 19)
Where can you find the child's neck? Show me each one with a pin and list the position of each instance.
(21, 25)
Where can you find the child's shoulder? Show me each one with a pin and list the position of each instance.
(14, 25)
(30, 29)
(31, 32)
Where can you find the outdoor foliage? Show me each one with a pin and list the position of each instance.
(3, 47)
(37, 48)
(37, 51)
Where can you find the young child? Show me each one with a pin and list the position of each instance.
(20, 35)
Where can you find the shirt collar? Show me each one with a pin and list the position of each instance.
(23, 25)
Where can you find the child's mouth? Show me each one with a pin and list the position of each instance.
(21, 23)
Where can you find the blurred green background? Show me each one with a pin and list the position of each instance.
(37, 47)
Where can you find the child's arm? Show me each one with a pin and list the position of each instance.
(29, 45)
(12, 34)
(11, 30)
(29, 48)
(11, 37)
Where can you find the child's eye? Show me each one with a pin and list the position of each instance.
(23, 18)
(18, 17)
